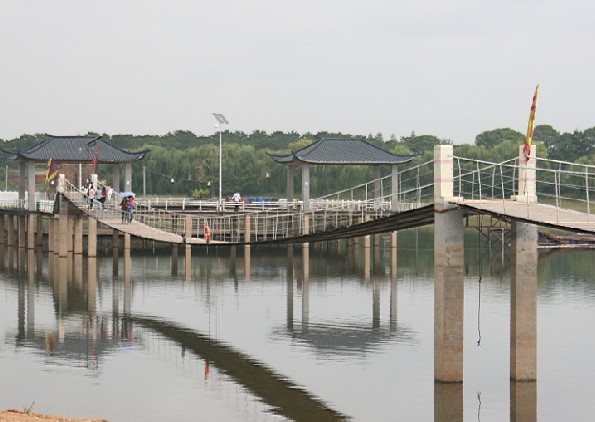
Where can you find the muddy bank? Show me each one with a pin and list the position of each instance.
(17, 416)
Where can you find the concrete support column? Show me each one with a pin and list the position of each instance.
(3, 235)
(174, 259)
(448, 402)
(393, 255)
(62, 237)
(70, 233)
(523, 309)
(51, 235)
(306, 249)
(39, 231)
(31, 186)
(290, 183)
(527, 176)
(188, 247)
(306, 186)
(247, 229)
(10, 237)
(91, 237)
(367, 253)
(22, 231)
(31, 226)
(127, 241)
(448, 294)
(394, 188)
(78, 234)
(523, 401)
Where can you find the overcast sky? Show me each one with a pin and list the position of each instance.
(447, 68)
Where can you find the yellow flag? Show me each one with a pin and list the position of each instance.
(531, 125)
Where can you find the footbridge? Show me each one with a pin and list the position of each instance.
(544, 192)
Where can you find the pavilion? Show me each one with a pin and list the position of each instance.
(86, 149)
(340, 151)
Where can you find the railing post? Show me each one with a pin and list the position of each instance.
(443, 173)
(527, 176)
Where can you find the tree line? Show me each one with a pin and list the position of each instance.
(182, 163)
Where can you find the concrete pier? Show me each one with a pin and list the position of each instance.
(523, 299)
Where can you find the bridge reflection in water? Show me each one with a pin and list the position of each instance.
(74, 281)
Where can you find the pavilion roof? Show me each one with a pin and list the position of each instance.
(345, 151)
(76, 149)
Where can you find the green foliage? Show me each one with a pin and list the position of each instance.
(193, 161)
(491, 138)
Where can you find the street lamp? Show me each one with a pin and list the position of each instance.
(221, 120)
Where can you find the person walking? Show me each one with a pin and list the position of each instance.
(124, 208)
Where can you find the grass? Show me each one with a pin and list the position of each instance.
(27, 409)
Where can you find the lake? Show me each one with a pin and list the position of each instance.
(140, 339)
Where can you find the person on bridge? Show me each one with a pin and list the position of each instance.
(124, 208)
(131, 206)
(237, 199)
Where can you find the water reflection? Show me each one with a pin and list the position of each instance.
(346, 345)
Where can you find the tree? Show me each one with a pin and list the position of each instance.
(491, 138)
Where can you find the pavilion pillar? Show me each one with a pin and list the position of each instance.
(290, 183)
(306, 186)
(31, 186)
(116, 178)
(22, 180)
(394, 188)
(377, 185)
(128, 176)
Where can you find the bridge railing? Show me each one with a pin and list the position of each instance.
(559, 183)
(415, 189)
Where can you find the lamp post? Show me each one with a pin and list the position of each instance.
(221, 120)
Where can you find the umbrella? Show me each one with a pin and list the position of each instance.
(127, 193)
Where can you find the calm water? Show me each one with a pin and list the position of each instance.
(279, 343)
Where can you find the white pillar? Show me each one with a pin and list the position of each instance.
(443, 173)
(527, 176)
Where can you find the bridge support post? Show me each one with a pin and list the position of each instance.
(62, 237)
(2, 229)
(39, 237)
(393, 255)
(367, 252)
(523, 309)
(51, 235)
(70, 233)
(10, 230)
(78, 235)
(21, 226)
(448, 294)
(91, 237)
(448, 273)
(174, 259)
(31, 225)
(188, 247)
(247, 236)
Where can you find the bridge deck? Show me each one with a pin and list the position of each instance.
(540, 214)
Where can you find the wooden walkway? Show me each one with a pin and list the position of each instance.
(539, 214)
(535, 213)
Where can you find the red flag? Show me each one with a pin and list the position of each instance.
(95, 156)
(52, 170)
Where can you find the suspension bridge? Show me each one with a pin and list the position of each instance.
(561, 198)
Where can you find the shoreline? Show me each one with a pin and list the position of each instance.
(19, 416)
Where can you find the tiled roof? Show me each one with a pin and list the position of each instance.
(355, 151)
(76, 149)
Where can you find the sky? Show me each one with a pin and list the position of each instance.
(452, 69)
